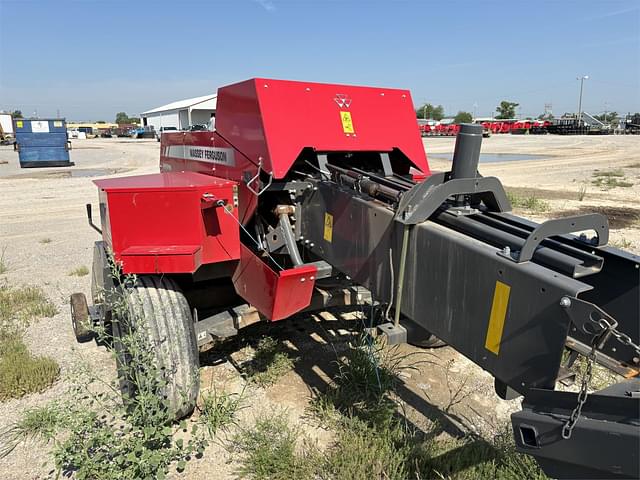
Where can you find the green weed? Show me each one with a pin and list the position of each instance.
(582, 192)
(268, 450)
(80, 271)
(607, 183)
(3, 264)
(23, 304)
(608, 173)
(270, 362)
(607, 179)
(531, 203)
(107, 435)
(40, 423)
(363, 451)
(374, 441)
(472, 458)
(22, 373)
(218, 410)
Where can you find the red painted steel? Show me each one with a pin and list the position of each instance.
(275, 119)
(182, 151)
(164, 223)
(276, 295)
(271, 121)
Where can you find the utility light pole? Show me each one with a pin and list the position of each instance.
(582, 79)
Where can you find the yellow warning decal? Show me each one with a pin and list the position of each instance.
(498, 316)
(328, 227)
(57, 123)
(19, 124)
(347, 123)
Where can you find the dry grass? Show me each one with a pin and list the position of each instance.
(371, 438)
(44, 240)
(621, 243)
(270, 362)
(80, 271)
(530, 203)
(3, 263)
(20, 372)
(608, 173)
(19, 305)
(608, 179)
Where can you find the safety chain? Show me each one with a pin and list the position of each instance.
(569, 425)
(608, 330)
(623, 338)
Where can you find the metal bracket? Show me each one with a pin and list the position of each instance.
(419, 203)
(386, 164)
(562, 226)
(586, 318)
(90, 219)
(585, 315)
(260, 190)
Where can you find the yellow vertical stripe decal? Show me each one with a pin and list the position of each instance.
(328, 227)
(498, 316)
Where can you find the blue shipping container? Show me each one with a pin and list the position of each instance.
(42, 142)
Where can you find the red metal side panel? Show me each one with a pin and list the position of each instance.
(275, 119)
(277, 295)
(210, 154)
(164, 223)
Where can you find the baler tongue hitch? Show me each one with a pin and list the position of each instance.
(261, 219)
(494, 286)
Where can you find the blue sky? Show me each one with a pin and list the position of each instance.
(91, 59)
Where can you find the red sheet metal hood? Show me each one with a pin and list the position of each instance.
(274, 120)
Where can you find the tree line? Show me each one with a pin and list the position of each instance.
(505, 110)
(428, 111)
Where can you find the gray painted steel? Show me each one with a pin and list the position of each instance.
(454, 261)
(615, 289)
(467, 152)
(419, 203)
(450, 282)
(558, 226)
(605, 441)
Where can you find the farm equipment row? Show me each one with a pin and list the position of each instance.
(313, 195)
(438, 129)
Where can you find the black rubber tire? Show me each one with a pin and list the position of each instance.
(430, 342)
(419, 337)
(80, 318)
(158, 306)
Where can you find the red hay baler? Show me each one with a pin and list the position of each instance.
(305, 197)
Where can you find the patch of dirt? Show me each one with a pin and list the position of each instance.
(544, 194)
(619, 217)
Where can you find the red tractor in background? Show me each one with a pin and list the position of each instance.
(308, 196)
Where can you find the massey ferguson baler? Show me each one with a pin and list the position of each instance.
(309, 195)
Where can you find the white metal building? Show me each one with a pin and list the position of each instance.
(181, 114)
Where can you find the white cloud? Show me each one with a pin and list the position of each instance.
(266, 4)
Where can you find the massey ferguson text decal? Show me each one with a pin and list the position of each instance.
(221, 156)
